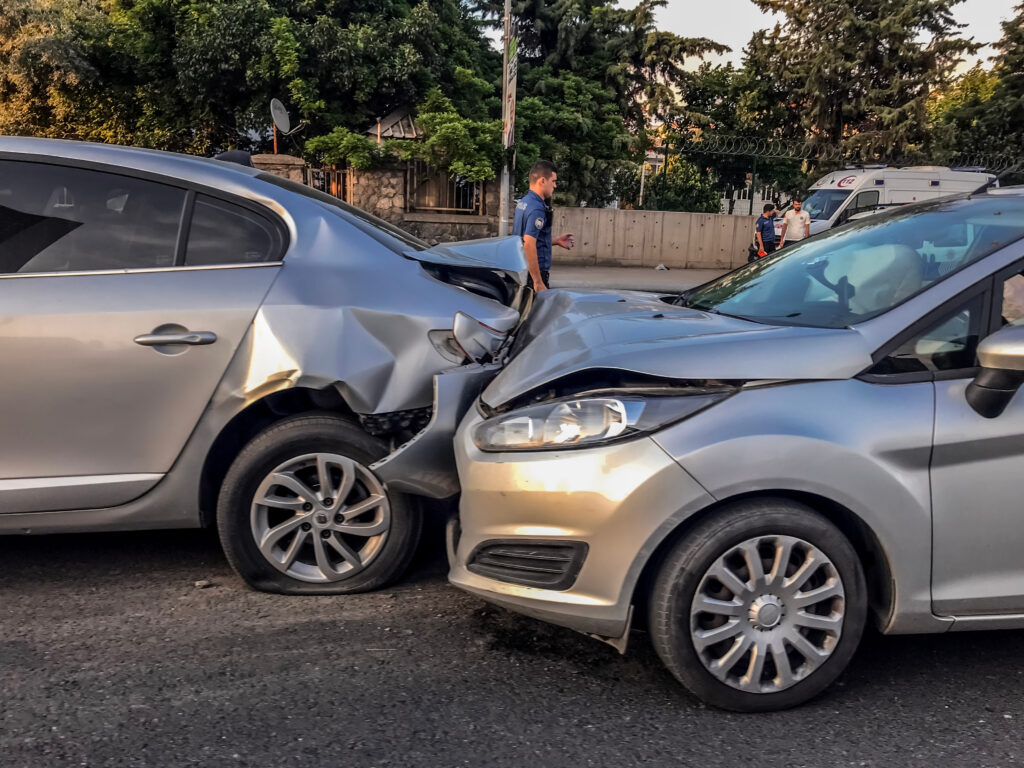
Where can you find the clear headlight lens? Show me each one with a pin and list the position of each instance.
(583, 422)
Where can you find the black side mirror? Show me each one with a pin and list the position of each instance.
(1002, 371)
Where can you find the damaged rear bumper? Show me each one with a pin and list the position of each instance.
(425, 465)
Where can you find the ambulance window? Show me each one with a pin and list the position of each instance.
(865, 201)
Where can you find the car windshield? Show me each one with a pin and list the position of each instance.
(823, 203)
(382, 231)
(865, 268)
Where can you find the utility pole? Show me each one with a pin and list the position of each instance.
(509, 71)
(643, 175)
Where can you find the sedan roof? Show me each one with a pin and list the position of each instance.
(200, 170)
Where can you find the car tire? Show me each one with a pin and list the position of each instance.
(759, 607)
(283, 533)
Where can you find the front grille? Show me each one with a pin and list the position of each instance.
(545, 564)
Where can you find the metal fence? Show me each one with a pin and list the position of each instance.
(332, 181)
(431, 190)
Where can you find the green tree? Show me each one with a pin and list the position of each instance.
(592, 77)
(46, 64)
(678, 186)
(197, 75)
(983, 113)
(857, 72)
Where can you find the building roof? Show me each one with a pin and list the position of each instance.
(397, 125)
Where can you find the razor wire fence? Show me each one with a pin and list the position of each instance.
(826, 154)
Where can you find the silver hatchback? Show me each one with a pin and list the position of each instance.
(757, 466)
(186, 341)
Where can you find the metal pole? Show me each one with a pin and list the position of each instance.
(505, 195)
(753, 181)
(643, 175)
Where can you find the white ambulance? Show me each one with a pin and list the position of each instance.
(837, 196)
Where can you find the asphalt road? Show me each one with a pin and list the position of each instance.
(111, 655)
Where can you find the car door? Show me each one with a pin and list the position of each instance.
(122, 300)
(977, 498)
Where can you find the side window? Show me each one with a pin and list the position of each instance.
(864, 201)
(222, 233)
(949, 344)
(57, 219)
(1013, 298)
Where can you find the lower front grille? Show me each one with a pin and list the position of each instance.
(544, 564)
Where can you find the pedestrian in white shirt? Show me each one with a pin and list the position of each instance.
(796, 225)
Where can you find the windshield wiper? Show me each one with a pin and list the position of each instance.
(680, 300)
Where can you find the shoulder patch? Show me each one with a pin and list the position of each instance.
(539, 223)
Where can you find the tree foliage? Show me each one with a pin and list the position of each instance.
(857, 72)
(197, 75)
(983, 112)
(679, 186)
(592, 78)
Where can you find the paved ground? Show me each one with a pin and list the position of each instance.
(633, 278)
(111, 656)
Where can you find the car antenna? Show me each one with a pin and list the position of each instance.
(996, 179)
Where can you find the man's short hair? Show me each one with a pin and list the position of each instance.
(768, 207)
(542, 169)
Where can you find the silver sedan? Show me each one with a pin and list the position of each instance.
(189, 342)
(757, 467)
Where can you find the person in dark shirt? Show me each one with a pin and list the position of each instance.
(533, 224)
(764, 230)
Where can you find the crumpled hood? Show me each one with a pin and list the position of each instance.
(568, 332)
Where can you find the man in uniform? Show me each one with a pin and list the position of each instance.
(533, 224)
(764, 231)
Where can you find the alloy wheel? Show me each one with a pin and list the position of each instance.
(320, 517)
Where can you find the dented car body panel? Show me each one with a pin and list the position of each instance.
(114, 435)
(573, 332)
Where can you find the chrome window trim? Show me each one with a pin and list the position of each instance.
(140, 270)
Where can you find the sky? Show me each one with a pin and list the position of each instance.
(732, 22)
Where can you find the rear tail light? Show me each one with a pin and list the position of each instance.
(482, 342)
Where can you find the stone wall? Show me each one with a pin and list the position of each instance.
(379, 192)
(285, 166)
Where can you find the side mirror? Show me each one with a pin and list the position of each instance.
(1002, 371)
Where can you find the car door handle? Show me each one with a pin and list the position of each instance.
(195, 338)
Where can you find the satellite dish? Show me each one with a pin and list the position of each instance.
(280, 116)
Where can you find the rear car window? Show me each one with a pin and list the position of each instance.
(223, 233)
(55, 218)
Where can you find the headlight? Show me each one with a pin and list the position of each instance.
(584, 422)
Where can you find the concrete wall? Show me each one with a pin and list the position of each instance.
(609, 237)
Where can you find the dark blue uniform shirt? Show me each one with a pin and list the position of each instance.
(766, 226)
(533, 218)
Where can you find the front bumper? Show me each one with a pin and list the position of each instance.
(619, 501)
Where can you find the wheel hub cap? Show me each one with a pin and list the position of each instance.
(767, 613)
(320, 517)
